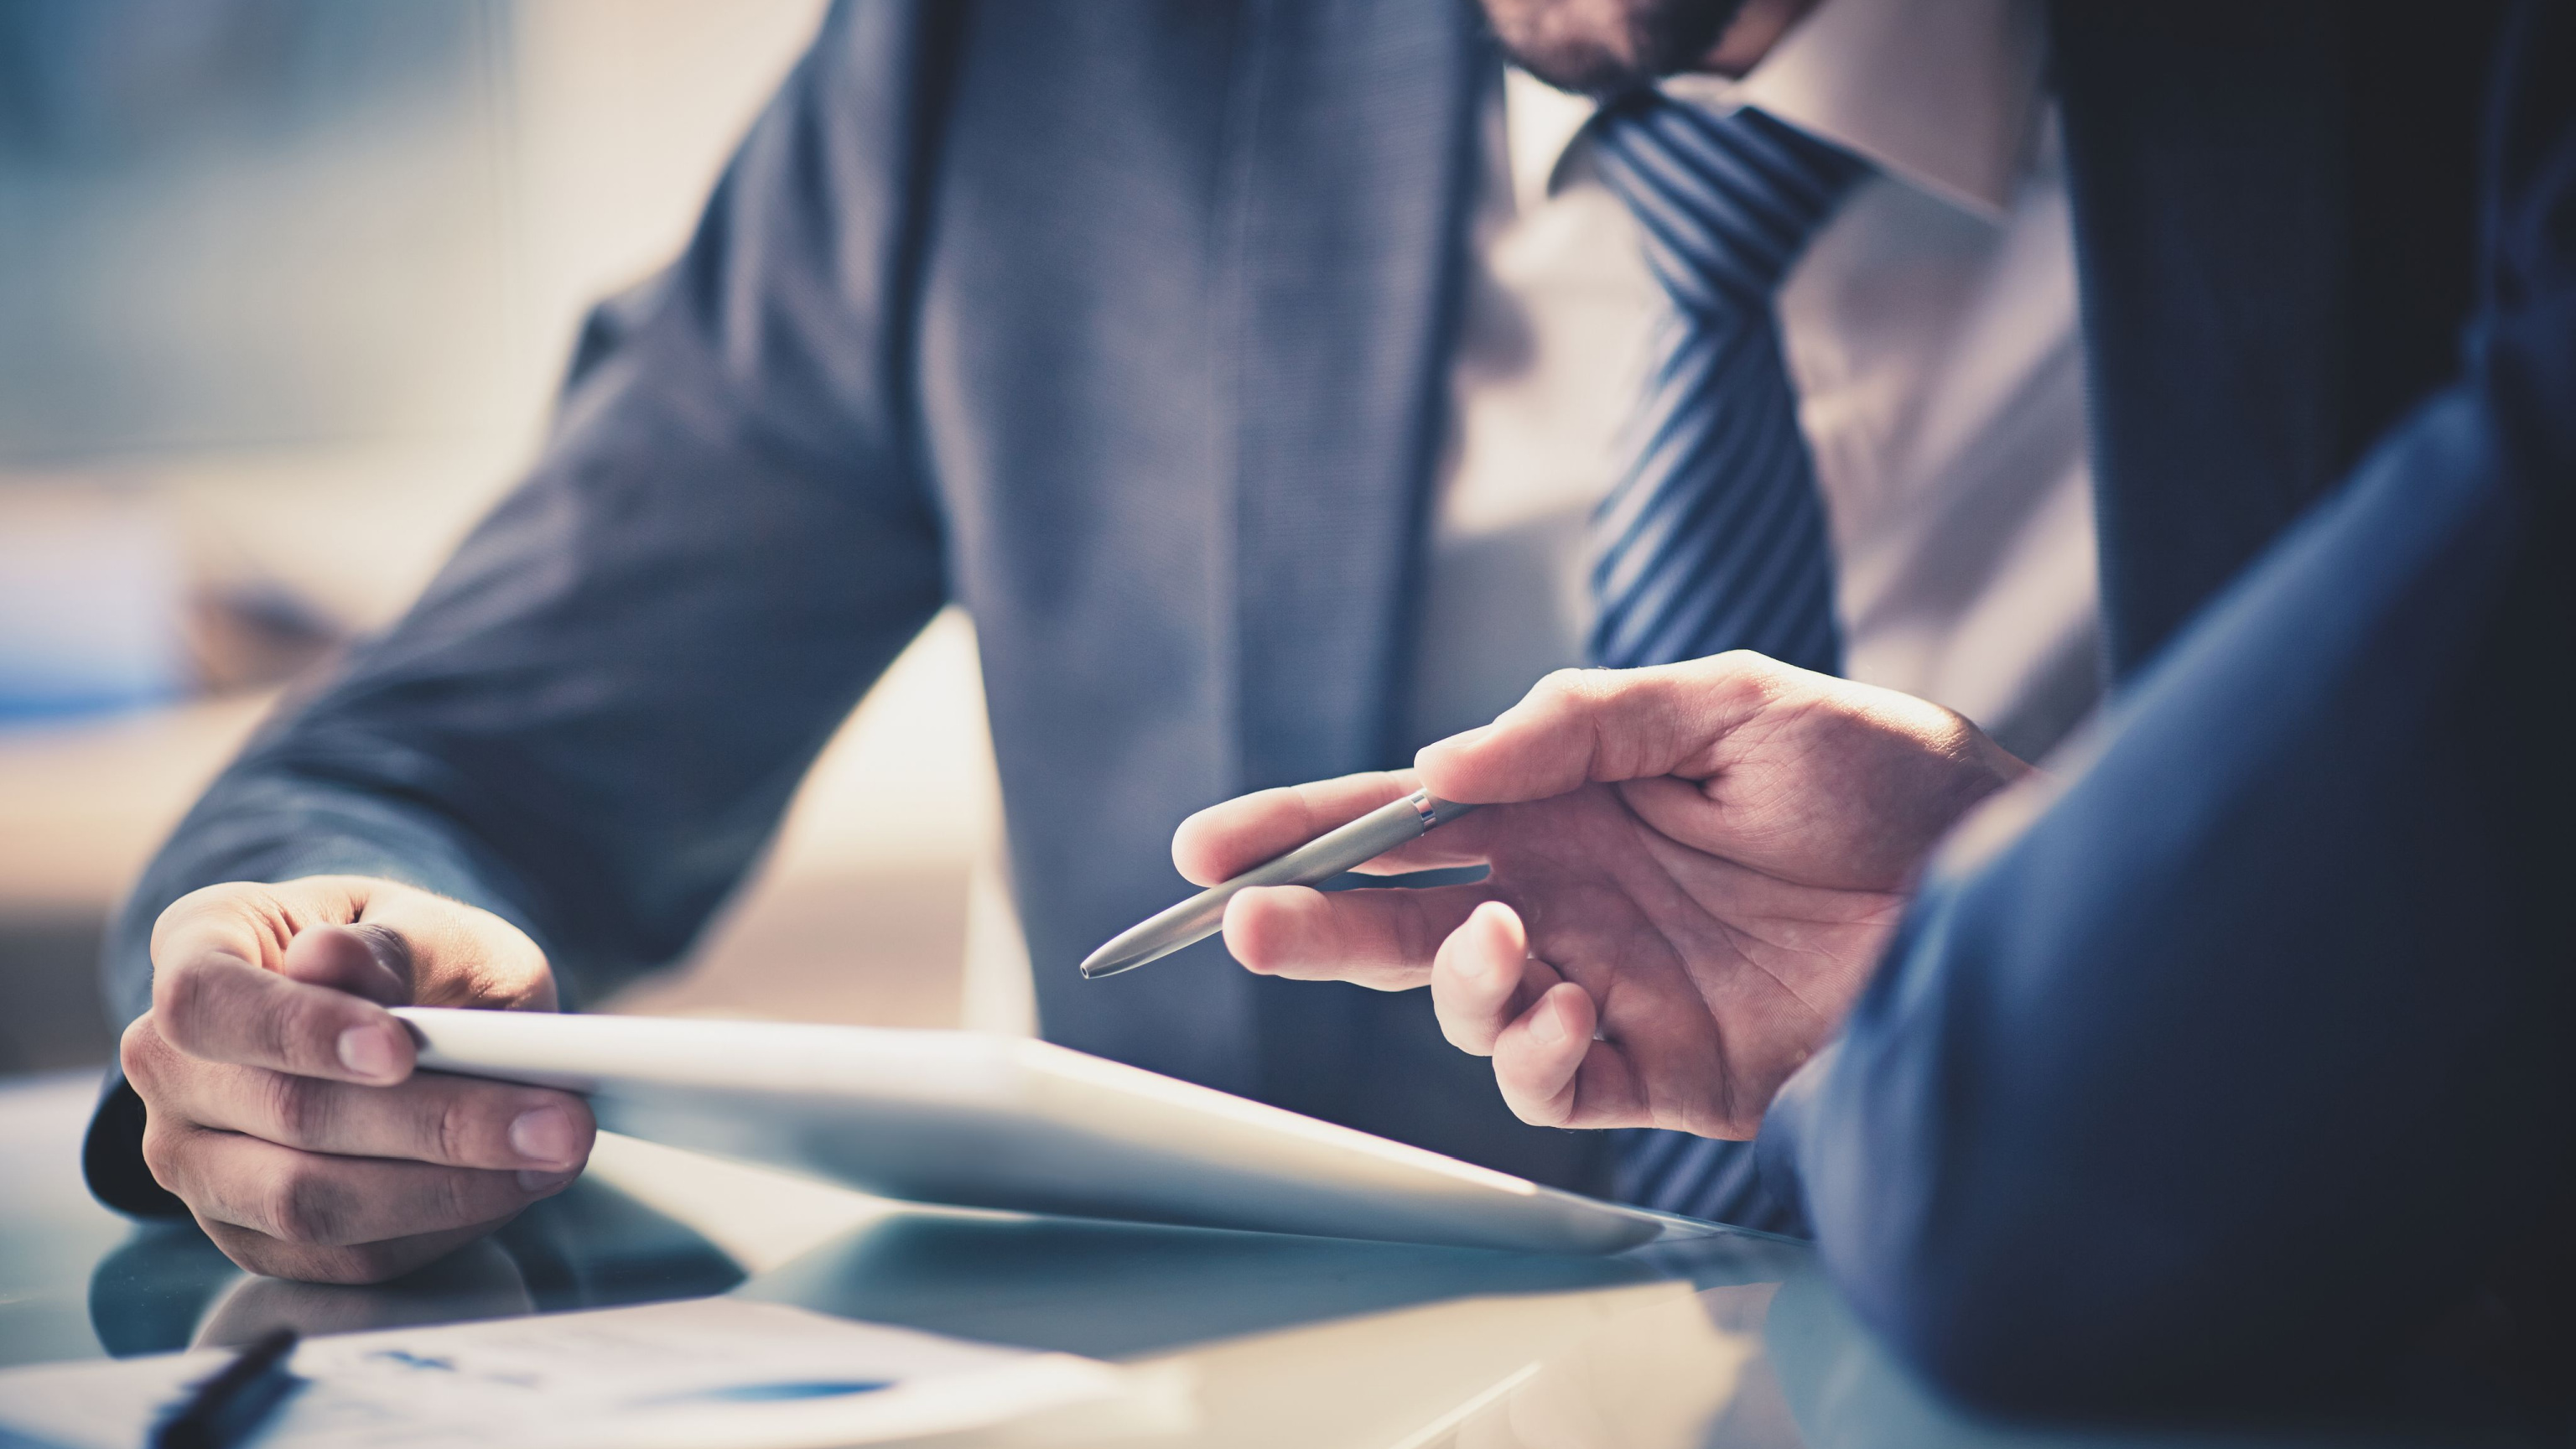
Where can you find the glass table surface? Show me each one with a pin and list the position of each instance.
(1733, 1341)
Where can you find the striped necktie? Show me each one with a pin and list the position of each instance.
(1713, 537)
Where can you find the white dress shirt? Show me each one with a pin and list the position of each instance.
(1930, 330)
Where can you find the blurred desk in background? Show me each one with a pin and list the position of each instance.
(287, 292)
(82, 805)
(1732, 1342)
(860, 913)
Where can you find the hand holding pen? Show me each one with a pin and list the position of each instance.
(1697, 864)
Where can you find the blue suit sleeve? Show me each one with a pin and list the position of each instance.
(2246, 1058)
(596, 714)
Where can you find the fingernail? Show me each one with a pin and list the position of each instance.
(369, 1051)
(544, 1134)
(532, 1180)
(1549, 1026)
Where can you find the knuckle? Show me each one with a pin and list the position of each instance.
(1565, 686)
(183, 997)
(453, 1200)
(1457, 1016)
(446, 950)
(299, 1028)
(1536, 1095)
(1543, 1111)
(275, 1033)
(140, 1052)
(186, 910)
(1748, 664)
(1747, 679)
(298, 1109)
(449, 1128)
(162, 1156)
(1469, 1030)
(301, 1206)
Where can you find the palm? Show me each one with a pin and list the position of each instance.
(1694, 959)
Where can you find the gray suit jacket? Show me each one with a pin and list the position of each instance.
(1120, 325)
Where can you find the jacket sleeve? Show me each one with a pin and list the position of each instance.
(595, 715)
(2245, 1059)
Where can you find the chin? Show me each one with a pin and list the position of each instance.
(1605, 47)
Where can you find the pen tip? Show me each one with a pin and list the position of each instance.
(1114, 957)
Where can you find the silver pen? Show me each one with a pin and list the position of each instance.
(1318, 860)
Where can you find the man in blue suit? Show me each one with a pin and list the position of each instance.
(2230, 1066)
(1137, 329)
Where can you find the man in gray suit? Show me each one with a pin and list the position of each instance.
(1238, 366)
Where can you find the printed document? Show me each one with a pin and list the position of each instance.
(724, 1373)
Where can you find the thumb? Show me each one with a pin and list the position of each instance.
(369, 961)
(1580, 726)
(456, 954)
(396, 944)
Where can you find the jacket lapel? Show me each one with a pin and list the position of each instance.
(1340, 226)
(1340, 220)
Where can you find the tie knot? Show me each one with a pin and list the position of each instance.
(1726, 202)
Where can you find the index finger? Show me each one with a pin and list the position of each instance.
(1227, 839)
(1580, 726)
(212, 999)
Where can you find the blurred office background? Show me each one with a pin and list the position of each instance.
(284, 288)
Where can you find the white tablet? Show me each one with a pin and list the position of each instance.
(1004, 1122)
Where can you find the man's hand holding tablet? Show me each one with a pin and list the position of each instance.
(281, 1103)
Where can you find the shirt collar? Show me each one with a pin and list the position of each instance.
(1938, 93)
